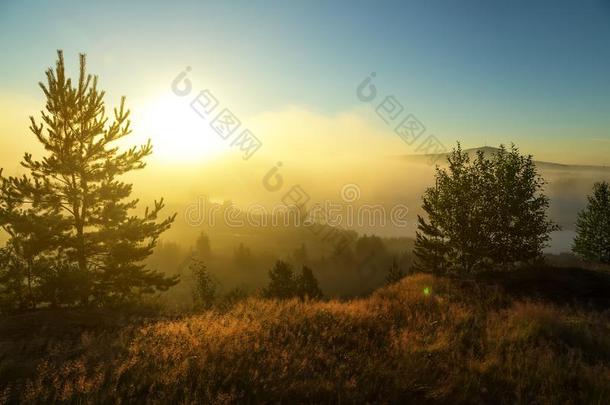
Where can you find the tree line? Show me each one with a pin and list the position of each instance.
(74, 239)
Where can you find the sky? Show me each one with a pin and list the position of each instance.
(479, 72)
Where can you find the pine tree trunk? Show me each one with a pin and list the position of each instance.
(32, 300)
(82, 262)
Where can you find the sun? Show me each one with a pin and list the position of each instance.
(178, 134)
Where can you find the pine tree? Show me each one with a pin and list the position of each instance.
(395, 274)
(242, 256)
(35, 232)
(27, 253)
(204, 292)
(74, 193)
(282, 283)
(14, 283)
(300, 254)
(307, 285)
(202, 246)
(430, 245)
(592, 240)
(450, 238)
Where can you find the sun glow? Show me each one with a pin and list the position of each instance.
(178, 134)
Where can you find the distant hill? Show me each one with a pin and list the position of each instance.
(488, 150)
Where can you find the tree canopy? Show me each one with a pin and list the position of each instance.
(73, 233)
(592, 240)
(483, 212)
(284, 283)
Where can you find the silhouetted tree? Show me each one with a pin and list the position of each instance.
(243, 256)
(282, 283)
(515, 221)
(483, 213)
(57, 276)
(74, 193)
(395, 274)
(205, 287)
(300, 254)
(15, 285)
(202, 246)
(34, 237)
(307, 285)
(592, 240)
(367, 246)
(430, 245)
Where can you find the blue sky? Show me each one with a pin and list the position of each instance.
(536, 73)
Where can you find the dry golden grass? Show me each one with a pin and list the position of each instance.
(455, 343)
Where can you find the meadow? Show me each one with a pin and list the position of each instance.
(425, 339)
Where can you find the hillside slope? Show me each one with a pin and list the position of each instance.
(424, 340)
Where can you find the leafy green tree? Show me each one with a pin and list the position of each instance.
(75, 194)
(514, 207)
(307, 285)
(592, 240)
(486, 212)
(282, 283)
(395, 274)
